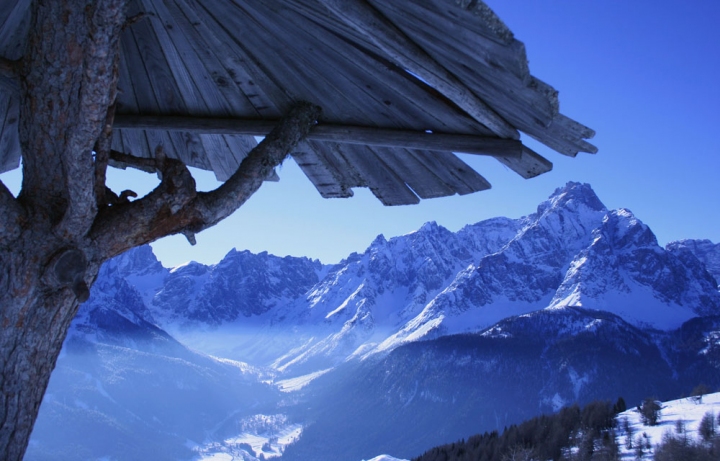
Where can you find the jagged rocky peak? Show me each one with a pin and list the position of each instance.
(242, 284)
(379, 241)
(574, 196)
(431, 226)
(622, 228)
(704, 250)
(561, 226)
(189, 269)
(136, 261)
(626, 272)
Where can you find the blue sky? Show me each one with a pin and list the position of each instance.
(644, 75)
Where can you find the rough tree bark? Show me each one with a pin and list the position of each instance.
(64, 224)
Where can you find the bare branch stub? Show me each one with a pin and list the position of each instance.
(176, 207)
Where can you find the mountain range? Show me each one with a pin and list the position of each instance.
(420, 340)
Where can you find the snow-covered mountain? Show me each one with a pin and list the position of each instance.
(299, 316)
(419, 340)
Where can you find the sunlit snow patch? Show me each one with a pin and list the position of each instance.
(295, 384)
(386, 458)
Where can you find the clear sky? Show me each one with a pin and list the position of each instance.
(644, 74)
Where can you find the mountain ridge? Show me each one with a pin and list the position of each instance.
(572, 251)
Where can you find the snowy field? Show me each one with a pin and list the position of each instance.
(265, 435)
(685, 410)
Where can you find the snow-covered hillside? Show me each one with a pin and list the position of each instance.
(689, 411)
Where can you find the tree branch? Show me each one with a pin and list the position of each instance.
(258, 165)
(12, 214)
(175, 206)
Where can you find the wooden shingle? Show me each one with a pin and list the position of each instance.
(402, 84)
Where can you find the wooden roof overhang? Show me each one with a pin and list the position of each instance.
(402, 85)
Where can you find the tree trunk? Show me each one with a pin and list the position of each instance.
(35, 319)
(59, 230)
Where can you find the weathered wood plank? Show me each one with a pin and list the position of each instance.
(219, 156)
(215, 84)
(470, 144)
(134, 141)
(14, 30)
(117, 143)
(291, 61)
(444, 40)
(566, 136)
(267, 97)
(381, 87)
(239, 147)
(320, 174)
(409, 55)
(526, 102)
(529, 165)
(348, 177)
(485, 20)
(453, 171)
(460, 29)
(430, 100)
(423, 181)
(9, 137)
(153, 73)
(182, 147)
(156, 84)
(381, 180)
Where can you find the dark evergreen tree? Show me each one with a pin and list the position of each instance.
(707, 428)
(698, 392)
(619, 406)
(650, 411)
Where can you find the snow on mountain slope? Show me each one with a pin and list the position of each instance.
(366, 298)
(300, 317)
(626, 272)
(686, 410)
(243, 284)
(521, 276)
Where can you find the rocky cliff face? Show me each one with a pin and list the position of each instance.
(704, 250)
